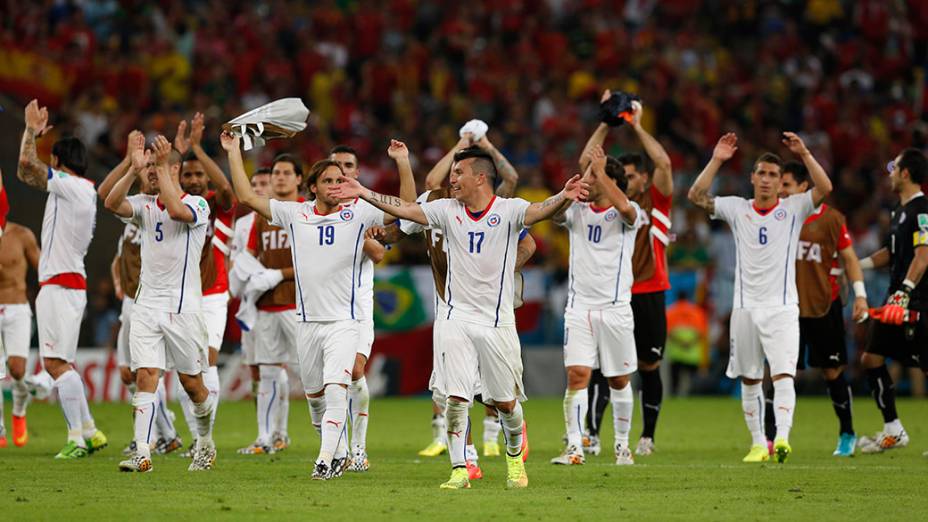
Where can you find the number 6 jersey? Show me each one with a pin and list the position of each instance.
(765, 246)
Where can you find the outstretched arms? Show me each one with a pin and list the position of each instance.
(119, 170)
(441, 169)
(224, 194)
(400, 155)
(699, 192)
(32, 171)
(243, 189)
(822, 183)
(350, 188)
(574, 190)
(509, 178)
(596, 139)
(663, 175)
(140, 158)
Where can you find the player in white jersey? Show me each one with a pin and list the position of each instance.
(480, 342)
(326, 239)
(70, 215)
(598, 321)
(765, 315)
(167, 320)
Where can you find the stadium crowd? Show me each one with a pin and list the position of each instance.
(839, 72)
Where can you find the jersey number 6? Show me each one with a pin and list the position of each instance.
(762, 235)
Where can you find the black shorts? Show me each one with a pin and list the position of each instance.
(907, 344)
(650, 313)
(822, 342)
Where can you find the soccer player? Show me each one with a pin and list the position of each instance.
(126, 270)
(893, 334)
(479, 340)
(598, 322)
(275, 328)
(20, 251)
(650, 186)
(67, 228)
(198, 172)
(326, 244)
(765, 318)
(167, 321)
(823, 239)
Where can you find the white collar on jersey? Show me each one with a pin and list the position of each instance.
(917, 194)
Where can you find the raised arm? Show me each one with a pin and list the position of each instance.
(224, 194)
(119, 170)
(507, 173)
(350, 188)
(612, 191)
(243, 189)
(115, 200)
(114, 275)
(574, 190)
(442, 169)
(699, 192)
(32, 171)
(822, 183)
(169, 194)
(400, 154)
(663, 175)
(597, 138)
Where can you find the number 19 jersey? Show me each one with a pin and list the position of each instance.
(765, 243)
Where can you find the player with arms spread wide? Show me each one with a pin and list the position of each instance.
(167, 320)
(765, 318)
(481, 232)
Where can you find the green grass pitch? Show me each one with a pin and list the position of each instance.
(696, 473)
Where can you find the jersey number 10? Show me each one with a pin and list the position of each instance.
(594, 233)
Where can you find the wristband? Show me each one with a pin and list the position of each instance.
(866, 263)
(859, 289)
(908, 286)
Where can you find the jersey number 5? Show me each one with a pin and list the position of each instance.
(326, 234)
(762, 235)
(476, 241)
(159, 234)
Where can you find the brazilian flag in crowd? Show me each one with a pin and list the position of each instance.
(397, 303)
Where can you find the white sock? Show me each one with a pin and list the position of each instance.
(132, 387)
(186, 406)
(359, 398)
(211, 381)
(283, 404)
(623, 405)
(88, 427)
(491, 429)
(457, 432)
(268, 396)
(784, 405)
(71, 396)
(163, 421)
(893, 428)
(333, 421)
(21, 397)
(144, 404)
(471, 455)
(752, 404)
(204, 413)
(512, 429)
(2, 415)
(575, 408)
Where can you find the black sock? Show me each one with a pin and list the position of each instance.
(770, 417)
(597, 400)
(652, 394)
(840, 394)
(884, 392)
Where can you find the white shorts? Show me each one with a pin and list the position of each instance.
(275, 338)
(15, 330)
(326, 351)
(759, 333)
(248, 347)
(122, 339)
(166, 340)
(58, 313)
(481, 357)
(366, 338)
(215, 313)
(603, 339)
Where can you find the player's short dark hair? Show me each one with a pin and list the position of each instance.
(641, 163)
(317, 169)
(263, 171)
(72, 154)
(769, 157)
(615, 169)
(483, 162)
(347, 149)
(286, 157)
(916, 163)
(798, 171)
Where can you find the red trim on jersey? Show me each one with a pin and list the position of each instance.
(4, 207)
(277, 308)
(844, 238)
(482, 212)
(316, 211)
(816, 215)
(71, 280)
(763, 211)
(660, 281)
(226, 217)
(598, 210)
(161, 205)
(253, 236)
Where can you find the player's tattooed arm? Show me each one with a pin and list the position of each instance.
(525, 250)
(32, 171)
(240, 182)
(115, 200)
(597, 138)
(663, 174)
(508, 174)
(350, 188)
(388, 235)
(400, 154)
(225, 196)
(574, 190)
(442, 169)
(119, 170)
(823, 185)
(699, 192)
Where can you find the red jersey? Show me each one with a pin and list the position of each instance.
(823, 235)
(649, 262)
(215, 278)
(4, 209)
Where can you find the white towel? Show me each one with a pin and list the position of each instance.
(259, 283)
(279, 119)
(477, 128)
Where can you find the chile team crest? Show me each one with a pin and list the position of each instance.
(346, 215)
(611, 215)
(493, 220)
(779, 214)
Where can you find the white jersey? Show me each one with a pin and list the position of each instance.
(171, 250)
(601, 249)
(67, 228)
(364, 284)
(765, 244)
(481, 257)
(240, 234)
(328, 253)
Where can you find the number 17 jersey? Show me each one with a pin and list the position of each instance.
(765, 243)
